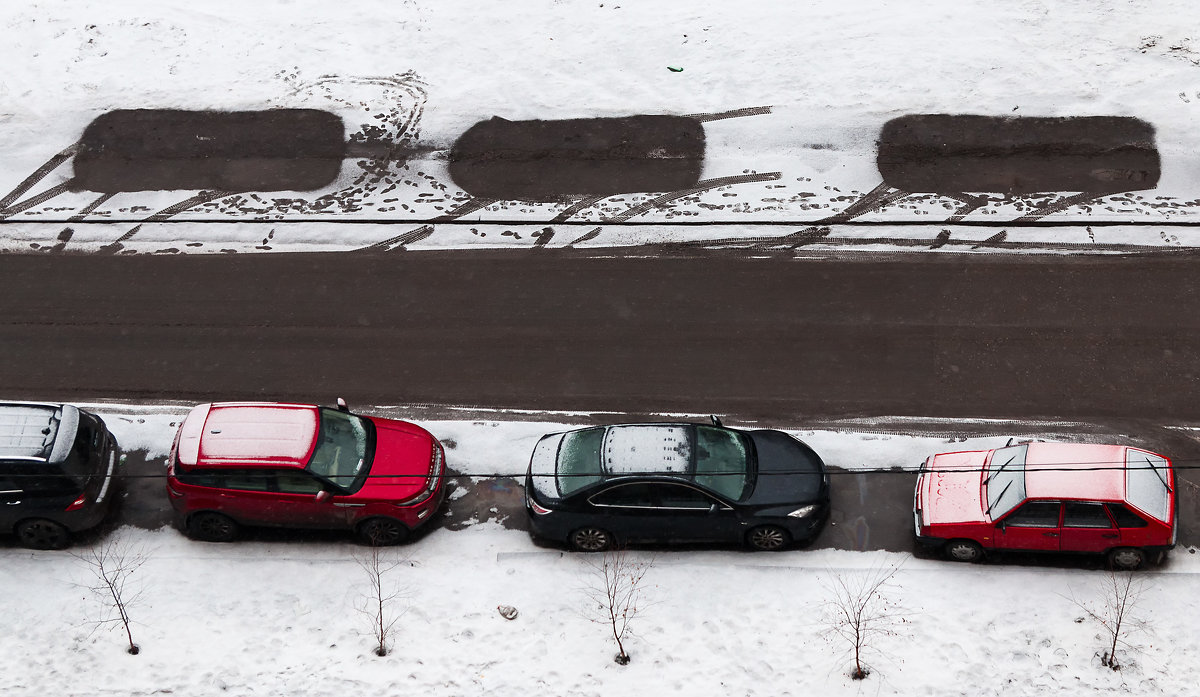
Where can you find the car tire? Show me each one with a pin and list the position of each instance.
(382, 532)
(1126, 558)
(210, 526)
(964, 551)
(768, 538)
(591, 540)
(39, 533)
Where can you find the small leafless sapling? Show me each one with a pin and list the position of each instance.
(112, 564)
(1115, 612)
(614, 593)
(380, 603)
(859, 610)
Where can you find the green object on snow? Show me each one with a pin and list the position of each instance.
(674, 69)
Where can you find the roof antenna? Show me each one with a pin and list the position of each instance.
(715, 420)
(342, 405)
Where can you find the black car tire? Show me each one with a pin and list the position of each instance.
(39, 533)
(768, 538)
(382, 532)
(212, 527)
(1126, 558)
(964, 551)
(590, 540)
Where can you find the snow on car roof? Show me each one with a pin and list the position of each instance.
(1071, 471)
(27, 430)
(239, 434)
(646, 449)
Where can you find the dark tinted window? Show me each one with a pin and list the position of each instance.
(678, 496)
(1035, 514)
(1085, 515)
(1126, 518)
(296, 483)
(242, 479)
(625, 495)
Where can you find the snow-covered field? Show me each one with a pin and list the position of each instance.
(281, 617)
(828, 75)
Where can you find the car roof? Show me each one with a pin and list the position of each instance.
(1075, 471)
(241, 434)
(30, 430)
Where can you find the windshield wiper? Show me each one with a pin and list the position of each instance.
(1002, 492)
(1158, 474)
(993, 474)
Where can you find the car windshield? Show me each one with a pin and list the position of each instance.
(1005, 481)
(579, 460)
(344, 449)
(722, 461)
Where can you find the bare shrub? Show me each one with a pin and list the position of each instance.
(1114, 610)
(111, 565)
(614, 593)
(859, 610)
(381, 603)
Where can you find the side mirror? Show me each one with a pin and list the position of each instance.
(341, 404)
(715, 421)
(1000, 526)
(322, 496)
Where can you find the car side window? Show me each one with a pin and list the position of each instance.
(682, 497)
(1085, 515)
(1035, 514)
(243, 480)
(296, 483)
(1126, 518)
(625, 496)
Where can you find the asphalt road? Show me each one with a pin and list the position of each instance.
(994, 336)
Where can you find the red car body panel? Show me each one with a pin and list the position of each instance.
(950, 501)
(405, 479)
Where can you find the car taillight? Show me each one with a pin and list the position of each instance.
(536, 508)
(78, 503)
(436, 461)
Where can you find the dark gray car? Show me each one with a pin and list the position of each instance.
(57, 464)
(675, 482)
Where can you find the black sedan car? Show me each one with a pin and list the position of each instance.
(596, 487)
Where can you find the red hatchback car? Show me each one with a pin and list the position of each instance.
(1048, 497)
(297, 465)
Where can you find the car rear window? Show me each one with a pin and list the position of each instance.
(1147, 483)
(579, 460)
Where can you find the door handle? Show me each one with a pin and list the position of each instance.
(1110, 536)
(1049, 534)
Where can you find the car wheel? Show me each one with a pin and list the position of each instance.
(382, 532)
(768, 538)
(964, 550)
(40, 533)
(1126, 558)
(591, 540)
(212, 527)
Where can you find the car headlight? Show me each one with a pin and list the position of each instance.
(803, 511)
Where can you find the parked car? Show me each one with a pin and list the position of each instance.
(1048, 497)
(57, 464)
(596, 487)
(239, 464)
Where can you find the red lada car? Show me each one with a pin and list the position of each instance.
(303, 466)
(1048, 497)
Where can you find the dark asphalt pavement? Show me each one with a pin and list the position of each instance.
(985, 336)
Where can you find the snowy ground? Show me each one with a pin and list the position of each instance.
(280, 617)
(830, 73)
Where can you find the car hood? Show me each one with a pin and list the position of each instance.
(949, 489)
(789, 472)
(403, 453)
